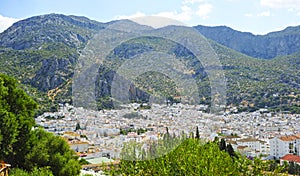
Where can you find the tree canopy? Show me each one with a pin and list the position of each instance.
(16, 120)
(26, 147)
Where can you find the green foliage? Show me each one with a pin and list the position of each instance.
(83, 161)
(292, 168)
(36, 150)
(35, 172)
(157, 84)
(48, 150)
(257, 83)
(138, 131)
(16, 121)
(189, 157)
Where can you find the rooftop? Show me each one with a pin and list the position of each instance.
(289, 138)
(248, 140)
(291, 157)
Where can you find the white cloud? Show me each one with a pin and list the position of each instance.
(136, 15)
(185, 14)
(281, 3)
(189, 9)
(204, 10)
(192, 1)
(6, 22)
(249, 15)
(264, 14)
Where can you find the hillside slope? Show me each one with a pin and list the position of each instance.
(42, 52)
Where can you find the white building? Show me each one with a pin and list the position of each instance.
(79, 146)
(280, 146)
(256, 146)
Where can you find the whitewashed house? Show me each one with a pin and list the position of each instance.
(255, 145)
(79, 146)
(280, 146)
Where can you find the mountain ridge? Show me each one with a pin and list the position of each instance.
(268, 46)
(43, 57)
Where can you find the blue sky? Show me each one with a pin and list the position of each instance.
(256, 16)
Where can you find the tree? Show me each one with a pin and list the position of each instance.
(230, 150)
(48, 150)
(197, 133)
(35, 172)
(24, 147)
(222, 144)
(77, 126)
(167, 131)
(16, 121)
(191, 157)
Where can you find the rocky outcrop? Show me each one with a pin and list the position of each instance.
(53, 73)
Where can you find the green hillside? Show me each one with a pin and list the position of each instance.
(42, 53)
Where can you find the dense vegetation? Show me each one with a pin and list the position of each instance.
(25, 146)
(257, 83)
(190, 156)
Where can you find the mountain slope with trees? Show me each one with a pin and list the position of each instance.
(42, 53)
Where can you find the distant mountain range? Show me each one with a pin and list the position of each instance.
(267, 46)
(43, 51)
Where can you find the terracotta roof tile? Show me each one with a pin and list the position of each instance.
(290, 157)
(241, 147)
(289, 138)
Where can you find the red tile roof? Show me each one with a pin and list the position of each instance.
(289, 138)
(291, 157)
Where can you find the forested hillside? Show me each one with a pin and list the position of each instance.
(42, 53)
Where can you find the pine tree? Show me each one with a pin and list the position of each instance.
(16, 122)
(222, 144)
(230, 150)
(197, 133)
(77, 126)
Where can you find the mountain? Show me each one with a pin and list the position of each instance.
(31, 33)
(267, 46)
(44, 51)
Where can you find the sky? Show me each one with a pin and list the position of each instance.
(255, 16)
